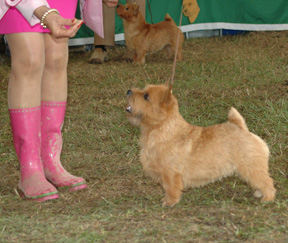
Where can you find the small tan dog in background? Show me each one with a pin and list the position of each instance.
(142, 38)
(179, 155)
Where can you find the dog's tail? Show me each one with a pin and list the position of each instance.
(235, 118)
(168, 18)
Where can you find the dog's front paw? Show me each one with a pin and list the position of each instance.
(127, 59)
(258, 194)
(169, 202)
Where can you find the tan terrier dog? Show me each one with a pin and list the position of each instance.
(179, 155)
(142, 38)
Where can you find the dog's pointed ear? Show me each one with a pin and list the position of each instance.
(168, 94)
(135, 9)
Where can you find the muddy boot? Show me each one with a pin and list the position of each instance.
(52, 114)
(26, 128)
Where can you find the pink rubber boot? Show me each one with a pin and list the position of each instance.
(26, 128)
(52, 114)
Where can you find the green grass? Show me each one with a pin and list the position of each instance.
(248, 72)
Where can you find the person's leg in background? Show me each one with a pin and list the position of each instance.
(53, 105)
(100, 52)
(24, 97)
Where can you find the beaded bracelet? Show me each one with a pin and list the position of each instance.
(45, 15)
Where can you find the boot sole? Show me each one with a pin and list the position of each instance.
(40, 198)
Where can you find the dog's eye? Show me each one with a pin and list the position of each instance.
(127, 9)
(146, 96)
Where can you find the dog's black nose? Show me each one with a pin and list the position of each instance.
(129, 92)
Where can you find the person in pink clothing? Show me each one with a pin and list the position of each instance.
(37, 33)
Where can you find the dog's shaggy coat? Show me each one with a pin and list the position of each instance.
(179, 155)
(142, 38)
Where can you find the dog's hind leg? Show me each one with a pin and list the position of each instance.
(179, 53)
(139, 56)
(173, 186)
(260, 180)
(170, 51)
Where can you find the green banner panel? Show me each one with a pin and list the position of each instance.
(250, 15)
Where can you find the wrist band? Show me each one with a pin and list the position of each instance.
(45, 15)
